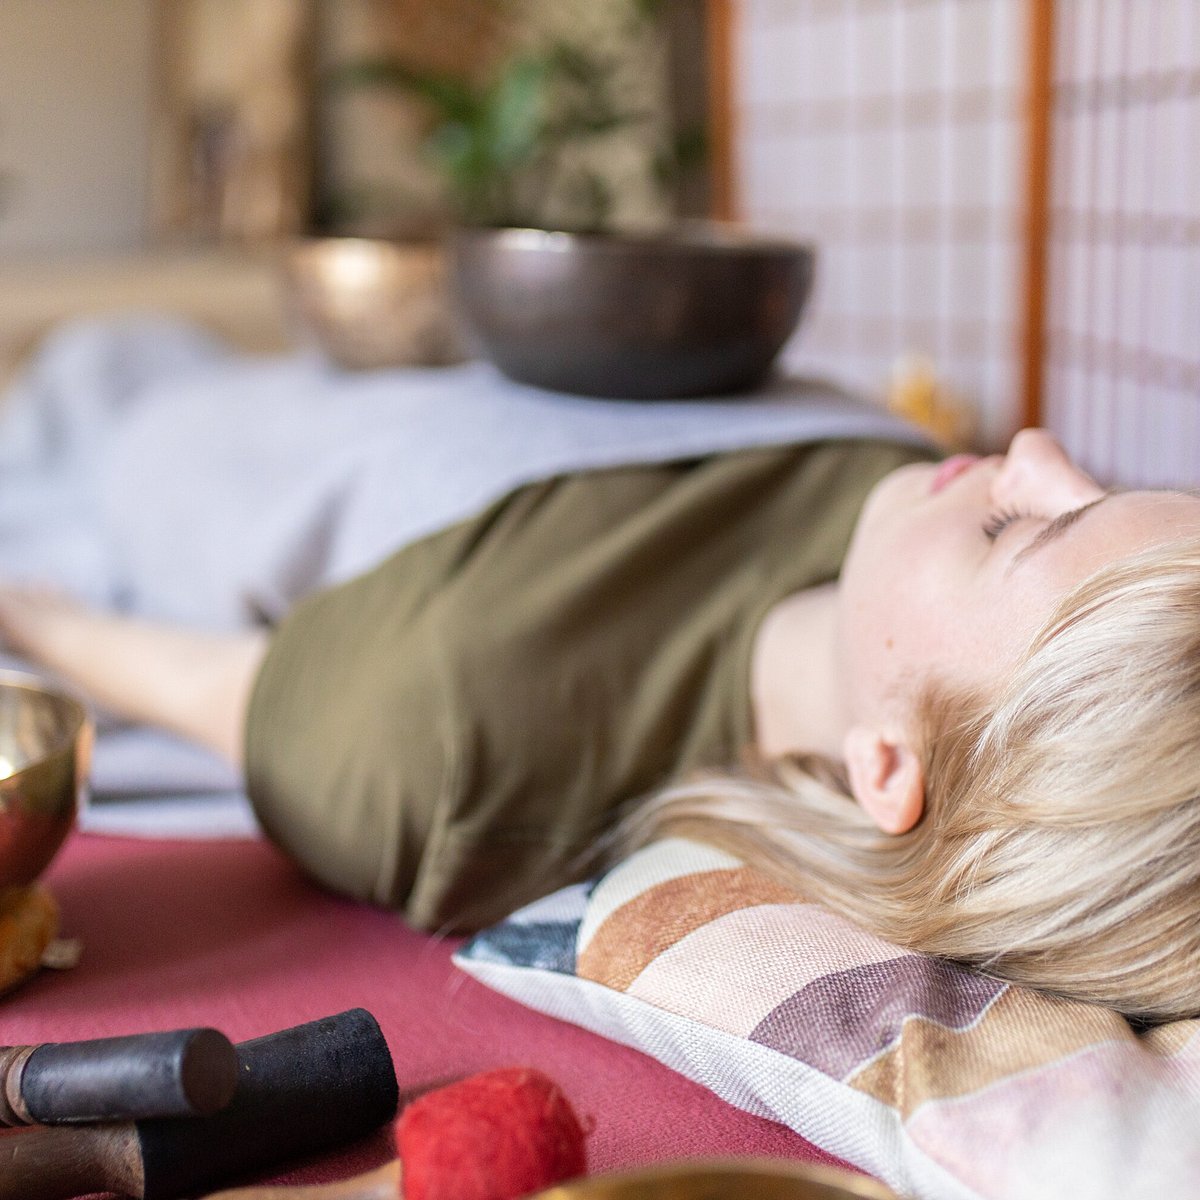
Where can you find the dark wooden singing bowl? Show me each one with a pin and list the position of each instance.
(701, 311)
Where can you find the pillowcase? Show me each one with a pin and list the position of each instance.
(939, 1081)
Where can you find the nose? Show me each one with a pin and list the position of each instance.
(1036, 474)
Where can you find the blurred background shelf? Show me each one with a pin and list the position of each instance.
(233, 293)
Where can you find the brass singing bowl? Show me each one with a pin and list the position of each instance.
(370, 303)
(724, 1179)
(701, 310)
(45, 755)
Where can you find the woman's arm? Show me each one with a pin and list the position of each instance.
(194, 684)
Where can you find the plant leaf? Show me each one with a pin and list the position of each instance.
(587, 193)
(454, 98)
(572, 63)
(514, 110)
(684, 152)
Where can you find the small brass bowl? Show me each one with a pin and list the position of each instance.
(45, 755)
(724, 1179)
(370, 303)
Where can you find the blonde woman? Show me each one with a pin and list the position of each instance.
(977, 724)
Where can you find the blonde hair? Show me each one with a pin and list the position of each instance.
(1060, 845)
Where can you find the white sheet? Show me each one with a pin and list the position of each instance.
(145, 467)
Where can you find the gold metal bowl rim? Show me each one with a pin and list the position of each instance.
(733, 1173)
(80, 717)
(321, 247)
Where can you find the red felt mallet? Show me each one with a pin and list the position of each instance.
(499, 1135)
(495, 1136)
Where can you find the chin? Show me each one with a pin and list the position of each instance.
(886, 516)
(903, 485)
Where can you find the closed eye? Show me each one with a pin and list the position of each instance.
(1054, 530)
(1000, 520)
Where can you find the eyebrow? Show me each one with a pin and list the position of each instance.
(1052, 532)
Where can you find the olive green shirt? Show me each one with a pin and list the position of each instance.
(448, 732)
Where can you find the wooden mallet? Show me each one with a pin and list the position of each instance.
(179, 1073)
(303, 1090)
(499, 1135)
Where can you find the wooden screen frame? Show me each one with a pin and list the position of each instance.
(1039, 104)
(723, 19)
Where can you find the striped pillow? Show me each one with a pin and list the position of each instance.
(938, 1081)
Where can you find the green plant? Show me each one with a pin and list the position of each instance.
(507, 147)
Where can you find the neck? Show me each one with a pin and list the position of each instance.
(795, 691)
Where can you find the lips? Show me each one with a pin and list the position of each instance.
(950, 470)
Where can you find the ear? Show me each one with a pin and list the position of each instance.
(886, 778)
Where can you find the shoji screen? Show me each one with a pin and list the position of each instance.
(1122, 381)
(890, 132)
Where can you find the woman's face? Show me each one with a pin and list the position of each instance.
(955, 566)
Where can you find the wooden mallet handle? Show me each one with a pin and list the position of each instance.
(384, 1183)
(51, 1163)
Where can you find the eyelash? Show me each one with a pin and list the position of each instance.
(999, 521)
